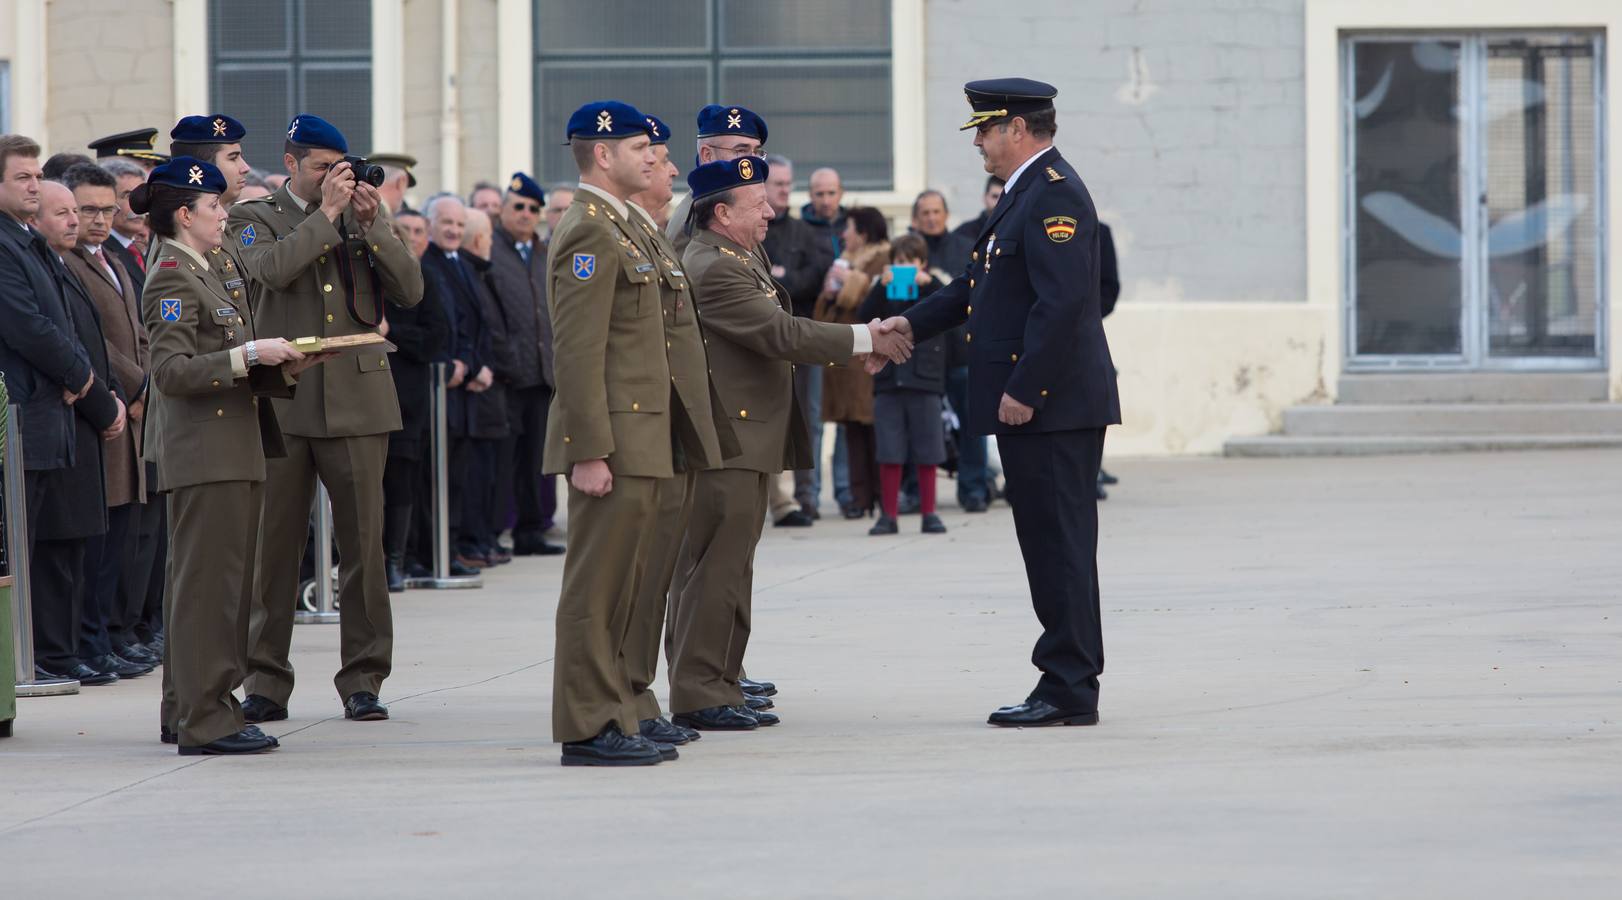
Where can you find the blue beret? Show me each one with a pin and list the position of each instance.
(726, 174)
(188, 174)
(216, 129)
(607, 119)
(658, 131)
(525, 186)
(314, 131)
(1000, 98)
(717, 120)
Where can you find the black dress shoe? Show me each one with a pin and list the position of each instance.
(462, 571)
(885, 525)
(758, 688)
(1106, 478)
(259, 708)
(761, 717)
(660, 731)
(498, 556)
(85, 675)
(414, 569)
(139, 655)
(667, 752)
(117, 665)
(612, 748)
(757, 704)
(717, 718)
(167, 735)
(363, 706)
(793, 519)
(934, 525)
(1102, 494)
(234, 744)
(1039, 713)
(395, 575)
(535, 545)
(974, 505)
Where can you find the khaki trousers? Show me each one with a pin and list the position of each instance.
(213, 545)
(712, 592)
(352, 470)
(610, 539)
(648, 617)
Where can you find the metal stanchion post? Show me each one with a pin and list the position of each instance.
(323, 614)
(442, 578)
(22, 617)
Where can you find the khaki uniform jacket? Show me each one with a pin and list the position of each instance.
(753, 341)
(293, 259)
(704, 433)
(203, 424)
(609, 351)
(118, 303)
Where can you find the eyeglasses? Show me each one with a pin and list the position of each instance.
(98, 212)
(527, 207)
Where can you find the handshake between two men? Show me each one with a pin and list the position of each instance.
(1009, 410)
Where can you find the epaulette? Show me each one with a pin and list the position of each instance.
(265, 199)
(168, 262)
(1053, 175)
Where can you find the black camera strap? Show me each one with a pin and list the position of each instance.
(346, 274)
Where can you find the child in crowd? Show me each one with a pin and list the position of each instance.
(907, 398)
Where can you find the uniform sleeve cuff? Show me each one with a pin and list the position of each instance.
(864, 340)
(239, 363)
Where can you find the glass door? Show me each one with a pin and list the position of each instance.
(1474, 220)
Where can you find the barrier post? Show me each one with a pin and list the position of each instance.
(442, 578)
(324, 612)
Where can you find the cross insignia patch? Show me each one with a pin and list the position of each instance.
(169, 309)
(585, 265)
(194, 175)
(219, 128)
(734, 119)
(605, 122)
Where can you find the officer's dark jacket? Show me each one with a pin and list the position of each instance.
(926, 370)
(1109, 273)
(1032, 307)
(805, 257)
(520, 291)
(40, 354)
(78, 499)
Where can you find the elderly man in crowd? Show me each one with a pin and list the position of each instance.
(724, 132)
(948, 251)
(558, 199)
(129, 234)
(486, 198)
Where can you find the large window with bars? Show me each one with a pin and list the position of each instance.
(272, 59)
(818, 73)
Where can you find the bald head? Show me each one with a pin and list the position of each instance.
(58, 216)
(826, 193)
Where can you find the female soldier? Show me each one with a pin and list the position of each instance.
(210, 436)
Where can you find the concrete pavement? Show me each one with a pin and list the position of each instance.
(1395, 677)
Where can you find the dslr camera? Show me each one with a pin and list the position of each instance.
(365, 171)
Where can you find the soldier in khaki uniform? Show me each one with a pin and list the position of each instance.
(217, 139)
(753, 340)
(724, 132)
(209, 435)
(323, 256)
(706, 438)
(613, 429)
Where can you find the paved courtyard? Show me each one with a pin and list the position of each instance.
(1393, 677)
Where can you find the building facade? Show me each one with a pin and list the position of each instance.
(1303, 192)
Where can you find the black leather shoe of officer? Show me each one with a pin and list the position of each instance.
(717, 718)
(756, 704)
(234, 744)
(934, 525)
(167, 735)
(761, 717)
(612, 748)
(155, 646)
(885, 525)
(974, 505)
(85, 675)
(363, 706)
(1106, 478)
(395, 573)
(259, 708)
(117, 665)
(758, 688)
(1040, 713)
(660, 731)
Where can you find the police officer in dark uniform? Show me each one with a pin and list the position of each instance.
(1040, 379)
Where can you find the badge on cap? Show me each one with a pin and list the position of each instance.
(219, 128)
(585, 265)
(195, 175)
(605, 122)
(169, 309)
(734, 119)
(248, 236)
(746, 169)
(1059, 228)
(518, 183)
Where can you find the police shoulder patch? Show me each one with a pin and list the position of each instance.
(248, 236)
(585, 265)
(1059, 228)
(169, 309)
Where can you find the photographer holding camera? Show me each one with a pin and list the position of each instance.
(323, 257)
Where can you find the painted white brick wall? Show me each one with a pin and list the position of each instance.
(1184, 117)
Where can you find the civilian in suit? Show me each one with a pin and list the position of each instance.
(76, 511)
(491, 426)
(108, 622)
(129, 236)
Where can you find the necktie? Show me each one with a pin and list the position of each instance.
(523, 250)
(140, 258)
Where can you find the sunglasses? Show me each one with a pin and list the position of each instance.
(527, 207)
